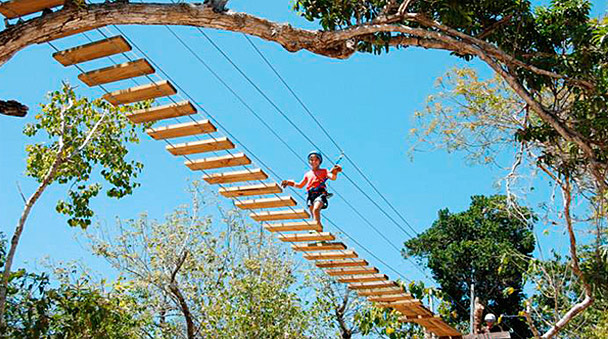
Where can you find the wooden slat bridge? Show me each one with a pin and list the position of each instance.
(305, 236)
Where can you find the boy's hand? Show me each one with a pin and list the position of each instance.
(336, 169)
(286, 183)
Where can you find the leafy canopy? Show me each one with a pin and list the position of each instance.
(94, 134)
(475, 246)
(560, 38)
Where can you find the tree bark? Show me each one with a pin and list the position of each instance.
(183, 305)
(13, 108)
(588, 300)
(335, 44)
(346, 333)
(46, 181)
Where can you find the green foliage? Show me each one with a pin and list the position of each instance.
(477, 246)
(557, 289)
(235, 280)
(385, 322)
(38, 307)
(559, 38)
(94, 134)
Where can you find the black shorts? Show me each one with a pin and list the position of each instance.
(317, 195)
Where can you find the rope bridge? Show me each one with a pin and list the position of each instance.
(250, 187)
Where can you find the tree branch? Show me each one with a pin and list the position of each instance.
(588, 300)
(46, 181)
(173, 286)
(13, 108)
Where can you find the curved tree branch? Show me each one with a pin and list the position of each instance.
(334, 44)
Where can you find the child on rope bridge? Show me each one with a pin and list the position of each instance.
(314, 180)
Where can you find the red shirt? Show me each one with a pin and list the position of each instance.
(315, 178)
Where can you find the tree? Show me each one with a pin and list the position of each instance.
(68, 306)
(334, 306)
(385, 322)
(81, 137)
(204, 278)
(470, 247)
(486, 119)
(558, 290)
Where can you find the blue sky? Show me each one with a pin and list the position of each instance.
(366, 102)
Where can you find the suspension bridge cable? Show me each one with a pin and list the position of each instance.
(270, 170)
(324, 130)
(295, 126)
(382, 235)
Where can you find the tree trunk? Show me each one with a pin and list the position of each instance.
(19, 229)
(588, 300)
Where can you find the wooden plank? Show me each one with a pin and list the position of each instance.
(351, 271)
(331, 255)
(446, 330)
(118, 72)
(16, 8)
(372, 285)
(280, 215)
(243, 191)
(390, 297)
(294, 226)
(228, 160)
(491, 335)
(251, 204)
(181, 130)
(399, 305)
(379, 291)
(237, 176)
(341, 263)
(200, 146)
(301, 237)
(172, 110)
(344, 254)
(91, 51)
(316, 247)
(413, 319)
(139, 93)
(362, 278)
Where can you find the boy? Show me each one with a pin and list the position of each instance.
(315, 184)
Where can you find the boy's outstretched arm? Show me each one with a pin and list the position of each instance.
(333, 173)
(301, 184)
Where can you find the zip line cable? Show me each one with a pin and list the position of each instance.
(219, 124)
(285, 143)
(253, 155)
(302, 132)
(295, 153)
(327, 134)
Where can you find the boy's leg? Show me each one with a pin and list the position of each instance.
(316, 210)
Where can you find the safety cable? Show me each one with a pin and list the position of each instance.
(236, 140)
(295, 126)
(371, 253)
(327, 134)
(381, 234)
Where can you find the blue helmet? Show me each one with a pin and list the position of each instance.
(317, 153)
